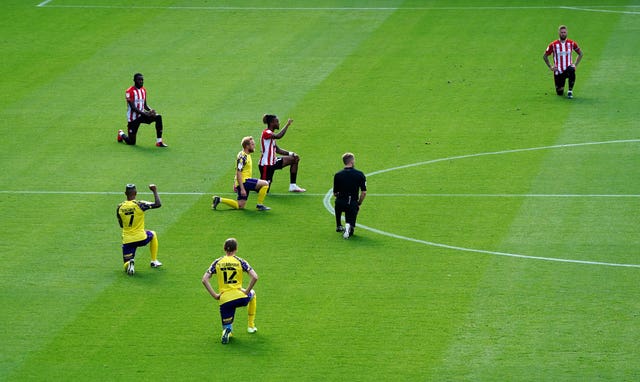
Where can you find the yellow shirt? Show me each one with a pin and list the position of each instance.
(131, 218)
(244, 165)
(228, 270)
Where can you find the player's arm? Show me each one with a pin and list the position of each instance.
(207, 284)
(283, 131)
(579, 51)
(363, 194)
(157, 202)
(243, 192)
(363, 189)
(252, 283)
(148, 110)
(240, 163)
(133, 107)
(285, 152)
(118, 216)
(545, 57)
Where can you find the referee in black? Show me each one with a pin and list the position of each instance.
(350, 189)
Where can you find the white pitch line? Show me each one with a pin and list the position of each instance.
(195, 193)
(589, 8)
(601, 10)
(439, 245)
(426, 195)
(503, 152)
(329, 207)
(423, 195)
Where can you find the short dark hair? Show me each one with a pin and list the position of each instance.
(130, 189)
(137, 75)
(268, 118)
(230, 245)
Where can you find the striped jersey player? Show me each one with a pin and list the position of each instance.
(138, 112)
(563, 67)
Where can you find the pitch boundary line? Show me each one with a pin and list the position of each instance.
(591, 8)
(329, 207)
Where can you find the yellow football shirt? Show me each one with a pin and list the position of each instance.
(228, 270)
(131, 218)
(244, 165)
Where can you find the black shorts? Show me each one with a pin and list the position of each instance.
(561, 79)
(266, 172)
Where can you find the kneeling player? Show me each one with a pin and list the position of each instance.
(229, 270)
(130, 214)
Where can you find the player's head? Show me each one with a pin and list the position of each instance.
(348, 158)
(562, 32)
(230, 245)
(271, 120)
(138, 80)
(248, 144)
(130, 191)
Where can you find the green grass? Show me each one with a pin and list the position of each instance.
(457, 88)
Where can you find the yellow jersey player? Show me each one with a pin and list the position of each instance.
(130, 215)
(243, 181)
(229, 270)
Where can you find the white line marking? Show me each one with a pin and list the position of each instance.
(502, 152)
(510, 195)
(329, 207)
(19, 192)
(575, 8)
(601, 10)
(425, 195)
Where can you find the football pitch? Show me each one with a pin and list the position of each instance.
(499, 240)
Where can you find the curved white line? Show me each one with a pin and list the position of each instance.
(327, 205)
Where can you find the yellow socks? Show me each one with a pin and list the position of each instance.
(230, 202)
(262, 193)
(153, 247)
(251, 310)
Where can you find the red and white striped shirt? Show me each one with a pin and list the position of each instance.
(268, 148)
(562, 53)
(139, 98)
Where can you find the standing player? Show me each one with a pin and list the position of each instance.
(243, 182)
(228, 270)
(130, 215)
(138, 111)
(269, 162)
(350, 189)
(563, 67)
